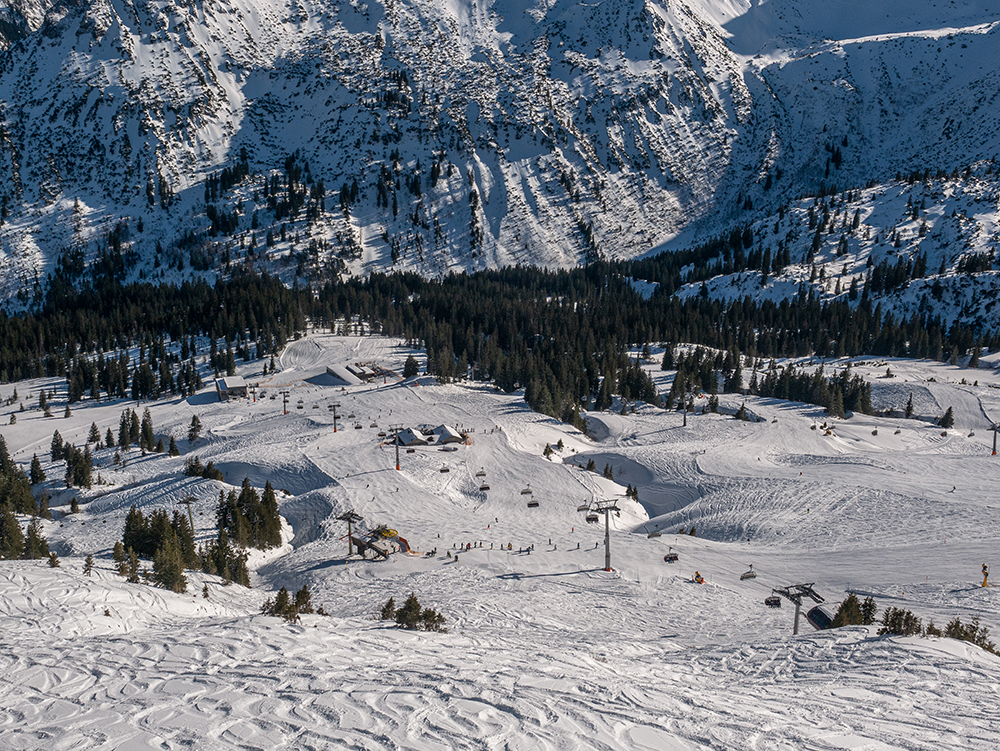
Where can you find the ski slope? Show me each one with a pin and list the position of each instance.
(544, 650)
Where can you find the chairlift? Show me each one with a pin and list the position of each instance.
(532, 503)
(357, 426)
(671, 556)
(484, 487)
(373, 425)
(592, 518)
(898, 431)
(751, 574)
(299, 406)
(875, 432)
(774, 420)
(381, 434)
(481, 473)
(410, 451)
(972, 433)
(583, 507)
(315, 406)
(773, 601)
(654, 533)
(444, 469)
(350, 416)
(526, 491)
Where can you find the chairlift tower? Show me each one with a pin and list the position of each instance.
(605, 507)
(284, 401)
(795, 593)
(335, 415)
(995, 429)
(188, 500)
(395, 435)
(351, 518)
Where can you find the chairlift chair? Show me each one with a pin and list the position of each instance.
(773, 601)
(350, 416)
(410, 451)
(671, 556)
(532, 503)
(526, 491)
(972, 433)
(444, 469)
(654, 533)
(484, 487)
(751, 574)
(357, 426)
(381, 434)
(583, 507)
(592, 518)
(373, 425)
(481, 473)
(898, 431)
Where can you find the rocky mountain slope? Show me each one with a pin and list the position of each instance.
(315, 138)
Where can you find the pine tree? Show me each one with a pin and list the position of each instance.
(303, 601)
(947, 419)
(849, 613)
(56, 449)
(908, 411)
(168, 565)
(95, 434)
(36, 473)
(124, 439)
(388, 612)
(869, 610)
(173, 450)
(53, 560)
(410, 367)
(88, 566)
(11, 537)
(194, 432)
(147, 439)
(35, 544)
(109, 439)
(131, 567)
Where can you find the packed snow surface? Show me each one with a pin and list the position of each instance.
(544, 650)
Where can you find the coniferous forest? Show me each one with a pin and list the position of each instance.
(562, 335)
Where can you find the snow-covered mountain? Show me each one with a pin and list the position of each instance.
(316, 137)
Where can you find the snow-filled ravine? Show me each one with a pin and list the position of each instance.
(544, 649)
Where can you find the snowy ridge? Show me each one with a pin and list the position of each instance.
(546, 648)
(560, 131)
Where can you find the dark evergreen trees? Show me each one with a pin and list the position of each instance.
(947, 419)
(35, 544)
(194, 431)
(249, 519)
(410, 367)
(36, 473)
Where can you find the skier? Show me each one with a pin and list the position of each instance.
(986, 574)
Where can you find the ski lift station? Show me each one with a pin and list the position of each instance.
(231, 386)
(412, 437)
(447, 434)
(342, 375)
